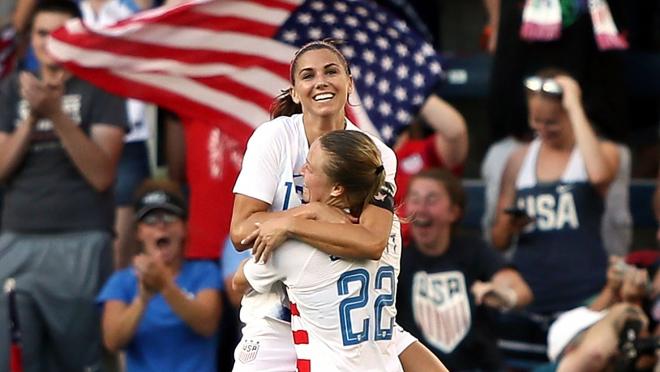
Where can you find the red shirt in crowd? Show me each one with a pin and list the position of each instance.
(413, 156)
(416, 155)
(213, 160)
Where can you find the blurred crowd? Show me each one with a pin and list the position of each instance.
(120, 266)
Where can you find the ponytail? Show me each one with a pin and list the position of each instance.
(283, 105)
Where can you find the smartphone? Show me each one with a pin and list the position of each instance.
(516, 212)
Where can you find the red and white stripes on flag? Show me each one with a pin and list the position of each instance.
(209, 59)
(7, 50)
(223, 61)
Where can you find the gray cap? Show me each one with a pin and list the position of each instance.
(162, 200)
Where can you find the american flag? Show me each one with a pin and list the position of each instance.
(225, 60)
(7, 50)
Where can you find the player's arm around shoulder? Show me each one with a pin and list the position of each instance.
(257, 181)
(365, 239)
(603, 176)
(239, 282)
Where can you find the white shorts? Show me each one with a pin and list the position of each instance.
(266, 352)
(568, 325)
(402, 339)
(274, 352)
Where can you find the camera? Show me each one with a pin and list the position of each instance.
(631, 346)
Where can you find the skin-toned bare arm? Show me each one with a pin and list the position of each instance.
(234, 296)
(610, 294)
(120, 321)
(171, 2)
(493, 10)
(510, 278)
(506, 290)
(14, 147)
(451, 131)
(246, 214)
(366, 239)
(601, 158)
(505, 225)
(96, 158)
(23, 14)
(240, 283)
(144, 4)
(175, 149)
(201, 313)
(601, 341)
(418, 358)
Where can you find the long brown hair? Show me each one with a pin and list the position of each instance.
(354, 162)
(283, 104)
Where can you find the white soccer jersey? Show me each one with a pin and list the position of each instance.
(275, 155)
(340, 309)
(271, 172)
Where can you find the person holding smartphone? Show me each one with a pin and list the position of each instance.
(559, 180)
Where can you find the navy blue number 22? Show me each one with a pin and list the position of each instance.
(360, 300)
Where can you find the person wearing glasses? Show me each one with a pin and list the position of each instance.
(163, 311)
(552, 198)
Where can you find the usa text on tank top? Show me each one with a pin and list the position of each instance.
(560, 254)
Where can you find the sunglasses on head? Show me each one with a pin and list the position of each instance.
(548, 86)
(156, 218)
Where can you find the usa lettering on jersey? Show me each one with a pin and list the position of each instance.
(550, 212)
(249, 351)
(441, 308)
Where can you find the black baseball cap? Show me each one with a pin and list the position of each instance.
(159, 200)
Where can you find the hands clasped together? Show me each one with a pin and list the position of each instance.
(269, 235)
(43, 97)
(153, 275)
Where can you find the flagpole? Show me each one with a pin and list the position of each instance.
(16, 355)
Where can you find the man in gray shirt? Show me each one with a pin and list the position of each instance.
(60, 141)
